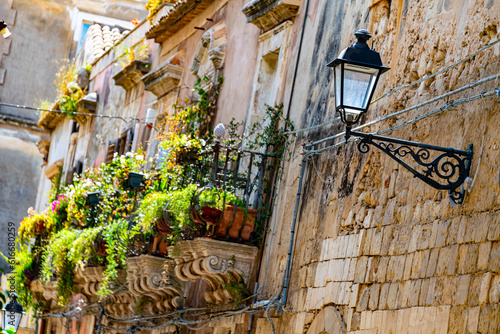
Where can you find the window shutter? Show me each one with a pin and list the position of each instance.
(111, 150)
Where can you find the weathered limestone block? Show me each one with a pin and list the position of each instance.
(153, 277)
(267, 14)
(467, 258)
(216, 262)
(163, 79)
(494, 258)
(328, 320)
(447, 262)
(494, 293)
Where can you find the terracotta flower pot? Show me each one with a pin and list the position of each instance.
(234, 230)
(159, 245)
(208, 215)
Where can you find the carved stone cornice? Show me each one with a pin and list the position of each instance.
(131, 74)
(267, 14)
(45, 293)
(163, 80)
(49, 120)
(216, 262)
(174, 18)
(88, 281)
(145, 277)
(86, 105)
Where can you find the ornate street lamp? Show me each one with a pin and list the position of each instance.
(357, 70)
(12, 314)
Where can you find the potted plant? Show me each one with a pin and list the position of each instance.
(217, 207)
(35, 225)
(232, 222)
(135, 180)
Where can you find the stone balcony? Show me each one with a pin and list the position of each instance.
(163, 80)
(146, 277)
(49, 120)
(86, 105)
(131, 74)
(267, 14)
(216, 262)
(170, 20)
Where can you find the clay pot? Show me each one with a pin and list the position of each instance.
(208, 215)
(159, 245)
(238, 222)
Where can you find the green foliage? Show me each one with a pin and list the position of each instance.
(151, 208)
(218, 198)
(237, 288)
(152, 6)
(130, 53)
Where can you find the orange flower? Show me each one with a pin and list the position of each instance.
(135, 21)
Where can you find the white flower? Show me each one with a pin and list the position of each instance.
(129, 154)
(139, 157)
(202, 141)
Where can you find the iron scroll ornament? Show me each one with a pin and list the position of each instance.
(451, 166)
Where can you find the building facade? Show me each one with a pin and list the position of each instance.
(353, 243)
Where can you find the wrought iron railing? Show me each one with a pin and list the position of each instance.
(245, 174)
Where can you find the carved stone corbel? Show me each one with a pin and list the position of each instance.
(216, 262)
(88, 281)
(163, 80)
(267, 14)
(145, 276)
(216, 56)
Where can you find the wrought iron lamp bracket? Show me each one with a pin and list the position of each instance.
(447, 171)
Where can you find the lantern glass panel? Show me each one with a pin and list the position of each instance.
(359, 82)
(11, 318)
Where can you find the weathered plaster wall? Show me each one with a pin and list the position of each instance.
(388, 251)
(19, 174)
(40, 36)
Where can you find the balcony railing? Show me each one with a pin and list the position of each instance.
(244, 174)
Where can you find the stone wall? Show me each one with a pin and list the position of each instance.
(19, 174)
(386, 250)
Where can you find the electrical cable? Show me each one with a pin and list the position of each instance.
(445, 107)
(419, 118)
(317, 172)
(68, 112)
(392, 91)
(414, 83)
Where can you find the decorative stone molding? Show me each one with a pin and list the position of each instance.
(327, 321)
(171, 20)
(146, 277)
(45, 293)
(267, 14)
(163, 80)
(88, 281)
(86, 105)
(211, 51)
(49, 120)
(52, 170)
(131, 74)
(216, 262)
(43, 146)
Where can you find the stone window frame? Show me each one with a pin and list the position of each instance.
(275, 40)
